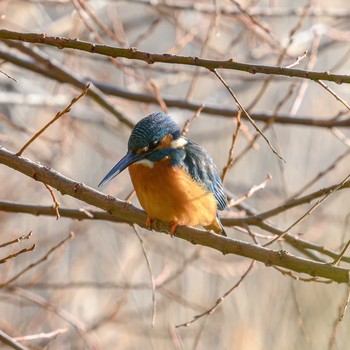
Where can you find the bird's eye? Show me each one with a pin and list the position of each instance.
(153, 145)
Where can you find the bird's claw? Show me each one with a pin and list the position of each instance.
(149, 226)
(173, 229)
(149, 223)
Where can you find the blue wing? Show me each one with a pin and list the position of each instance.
(198, 163)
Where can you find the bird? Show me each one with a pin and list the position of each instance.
(175, 179)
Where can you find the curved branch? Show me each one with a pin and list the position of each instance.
(128, 213)
(133, 53)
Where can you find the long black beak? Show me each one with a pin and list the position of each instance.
(127, 160)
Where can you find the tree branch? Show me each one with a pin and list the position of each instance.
(133, 53)
(128, 213)
(326, 122)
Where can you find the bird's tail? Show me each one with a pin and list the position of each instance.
(223, 232)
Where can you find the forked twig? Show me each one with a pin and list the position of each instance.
(45, 257)
(56, 203)
(17, 240)
(11, 256)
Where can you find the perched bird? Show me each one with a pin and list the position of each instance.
(175, 179)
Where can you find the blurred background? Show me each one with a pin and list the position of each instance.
(95, 291)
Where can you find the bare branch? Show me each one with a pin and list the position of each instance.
(17, 240)
(130, 214)
(317, 204)
(153, 283)
(32, 265)
(133, 53)
(14, 344)
(52, 334)
(220, 301)
(11, 256)
(56, 117)
(328, 122)
(246, 114)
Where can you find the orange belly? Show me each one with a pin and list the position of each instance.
(169, 194)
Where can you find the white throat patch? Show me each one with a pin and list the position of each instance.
(180, 142)
(145, 162)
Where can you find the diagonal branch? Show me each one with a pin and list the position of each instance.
(128, 213)
(241, 108)
(12, 343)
(55, 118)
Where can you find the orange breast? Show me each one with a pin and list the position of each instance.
(169, 194)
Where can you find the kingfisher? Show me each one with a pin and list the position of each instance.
(175, 179)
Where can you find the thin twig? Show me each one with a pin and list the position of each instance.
(317, 204)
(251, 191)
(268, 124)
(14, 344)
(319, 176)
(230, 159)
(155, 88)
(220, 301)
(337, 321)
(56, 203)
(39, 261)
(299, 313)
(151, 275)
(88, 338)
(302, 200)
(302, 279)
(340, 99)
(246, 114)
(48, 335)
(190, 120)
(56, 117)
(298, 60)
(341, 136)
(11, 256)
(59, 73)
(7, 75)
(100, 23)
(17, 240)
(342, 253)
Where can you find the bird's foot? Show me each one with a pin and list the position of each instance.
(173, 229)
(149, 223)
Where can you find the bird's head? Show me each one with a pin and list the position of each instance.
(153, 138)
